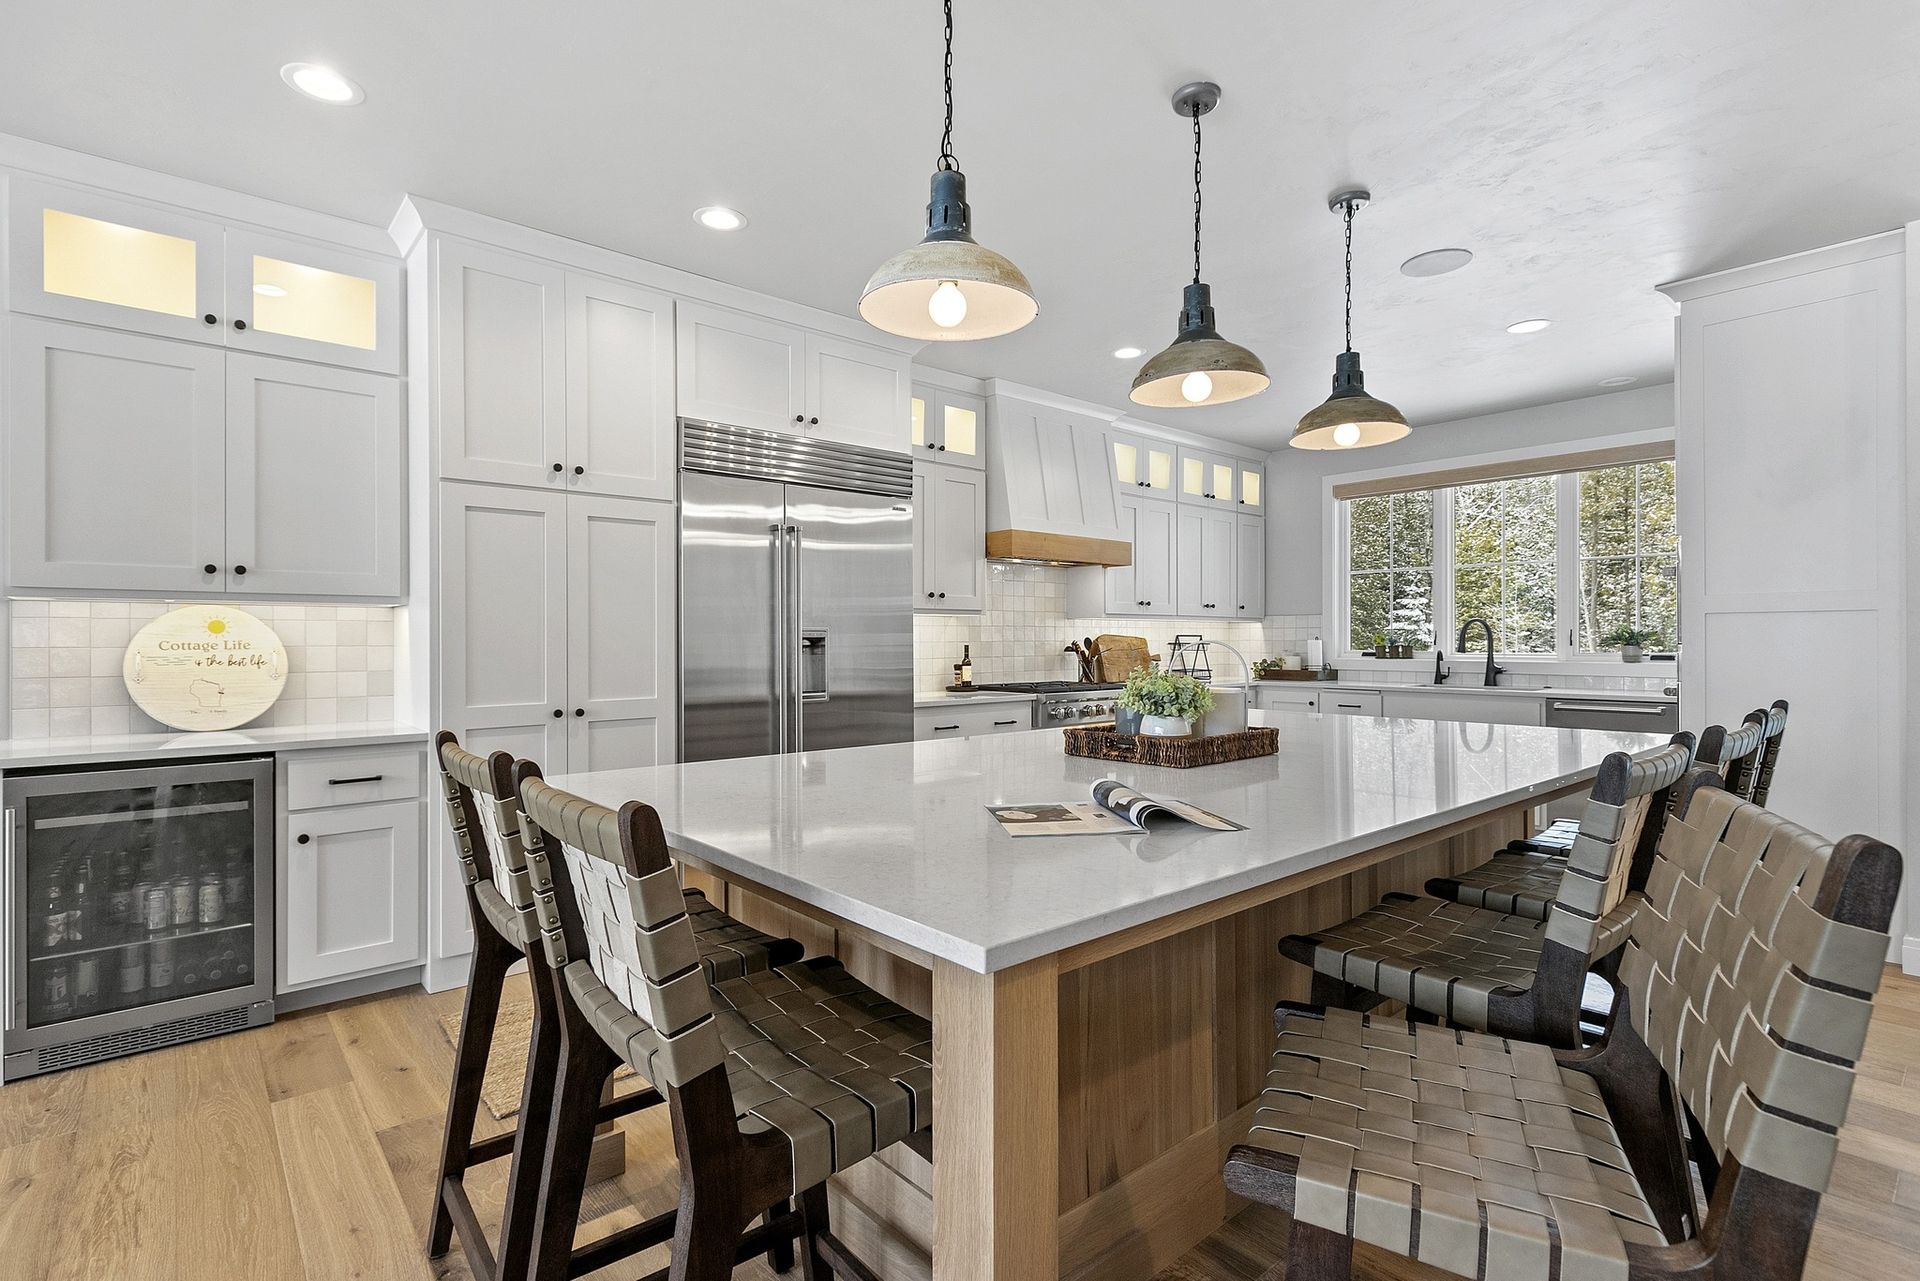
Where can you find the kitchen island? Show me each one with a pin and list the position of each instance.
(1102, 1005)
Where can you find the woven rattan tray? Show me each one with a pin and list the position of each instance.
(1174, 753)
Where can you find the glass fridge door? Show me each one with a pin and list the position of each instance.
(132, 889)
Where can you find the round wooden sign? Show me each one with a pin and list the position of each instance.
(205, 667)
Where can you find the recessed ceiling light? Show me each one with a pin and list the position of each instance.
(719, 218)
(270, 291)
(1528, 326)
(1127, 353)
(1436, 262)
(1618, 380)
(322, 84)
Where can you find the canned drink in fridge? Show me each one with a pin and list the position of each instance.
(212, 901)
(183, 901)
(235, 890)
(133, 972)
(86, 985)
(157, 911)
(160, 966)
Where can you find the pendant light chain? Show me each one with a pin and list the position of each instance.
(1196, 193)
(947, 160)
(1349, 221)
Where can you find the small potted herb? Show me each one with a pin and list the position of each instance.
(1168, 703)
(1631, 641)
(1268, 669)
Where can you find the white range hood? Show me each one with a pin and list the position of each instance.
(1050, 496)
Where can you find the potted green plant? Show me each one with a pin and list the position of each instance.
(1168, 703)
(1268, 669)
(1632, 642)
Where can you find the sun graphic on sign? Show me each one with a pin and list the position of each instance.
(215, 626)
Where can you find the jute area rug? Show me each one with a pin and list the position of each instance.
(507, 1063)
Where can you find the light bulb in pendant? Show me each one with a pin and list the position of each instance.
(948, 306)
(1346, 435)
(1196, 387)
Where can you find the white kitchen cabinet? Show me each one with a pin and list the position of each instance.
(620, 409)
(856, 394)
(950, 538)
(1434, 705)
(1203, 578)
(970, 720)
(1144, 586)
(1206, 478)
(1251, 494)
(1288, 696)
(1141, 464)
(116, 461)
(350, 880)
(223, 472)
(500, 352)
(84, 256)
(315, 487)
(951, 424)
(1250, 567)
(1351, 702)
(622, 560)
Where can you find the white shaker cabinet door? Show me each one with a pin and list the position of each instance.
(501, 364)
(740, 370)
(115, 467)
(954, 520)
(316, 471)
(1250, 567)
(621, 668)
(503, 598)
(313, 302)
(858, 395)
(1204, 579)
(350, 891)
(620, 428)
(1146, 586)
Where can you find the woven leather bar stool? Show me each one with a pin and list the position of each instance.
(500, 901)
(1524, 878)
(775, 1080)
(1557, 836)
(1502, 973)
(1747, 976)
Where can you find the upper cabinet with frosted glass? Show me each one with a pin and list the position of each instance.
(949, 426)
(1142, 465)
(78, 255)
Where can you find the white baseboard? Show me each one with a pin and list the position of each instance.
(443, 972)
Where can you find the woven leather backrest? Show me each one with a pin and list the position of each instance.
(1732, 751)
(480, 778)
(1754, 1002)
(1751, 776)
(1592, 911)
(639, 940)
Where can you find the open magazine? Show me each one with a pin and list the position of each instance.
(1115, 809)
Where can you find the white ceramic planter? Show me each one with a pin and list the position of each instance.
(1631, 653)
(1166, 726)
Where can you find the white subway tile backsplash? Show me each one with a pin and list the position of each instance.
(67, 654)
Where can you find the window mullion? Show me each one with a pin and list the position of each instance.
(1443, 611)
(1566, 590)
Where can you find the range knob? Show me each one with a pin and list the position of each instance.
(1056, 713)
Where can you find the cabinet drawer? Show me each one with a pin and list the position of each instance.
(1347, 702)
(965, 722)
(317, 779)
(1302, 698)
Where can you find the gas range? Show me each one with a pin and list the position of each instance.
(1060, 702)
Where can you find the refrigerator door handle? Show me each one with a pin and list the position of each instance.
(6, 911)
(777, 541)
(791, 644)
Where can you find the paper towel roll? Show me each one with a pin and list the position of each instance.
(1316, 654)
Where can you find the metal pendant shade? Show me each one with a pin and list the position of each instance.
(1349, 418)
(1198, 367)
(948, 288)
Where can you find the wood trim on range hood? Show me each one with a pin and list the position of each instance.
(1056, 549)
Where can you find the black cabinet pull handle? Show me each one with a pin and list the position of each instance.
(210, 569)
(579, 471)
(579, 711)
(1006, 722)
(302, 839)
(239, 324)
(239, 569)
(938, 728)
(211, 319)
(364, 778)
(557, 713)
(558, 467)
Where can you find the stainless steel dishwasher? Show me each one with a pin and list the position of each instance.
(1613, 713)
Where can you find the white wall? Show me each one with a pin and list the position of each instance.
(1296, 556)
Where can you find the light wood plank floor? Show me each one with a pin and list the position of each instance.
(306, 1150)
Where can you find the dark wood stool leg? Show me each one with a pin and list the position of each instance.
(706, 1235)
(1315, 1254)
(584, 1065)
(780, 1253)
(491, 957)
(814, 1223)
(522, 1208)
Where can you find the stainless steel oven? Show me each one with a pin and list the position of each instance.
(139, 909)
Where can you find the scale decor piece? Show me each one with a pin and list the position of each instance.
(205, 667)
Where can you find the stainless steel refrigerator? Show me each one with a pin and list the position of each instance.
(796, 579)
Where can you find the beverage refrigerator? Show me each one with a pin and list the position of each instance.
(138, 910)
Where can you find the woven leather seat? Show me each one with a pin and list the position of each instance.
(1472, 1153)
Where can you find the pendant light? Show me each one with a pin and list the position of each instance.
(947, 288)
(1199, 367)
(1349, 419)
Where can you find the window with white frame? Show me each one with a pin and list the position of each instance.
(1564, 564)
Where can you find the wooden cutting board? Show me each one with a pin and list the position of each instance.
(1120, 656)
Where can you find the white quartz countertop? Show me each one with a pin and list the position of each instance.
(31, 753)
(896, 838)
(948, 698)
(1460, 685)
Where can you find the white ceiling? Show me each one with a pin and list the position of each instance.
(1584, 150)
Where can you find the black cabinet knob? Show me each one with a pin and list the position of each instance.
(931, 445)
(302, 839)
(943, 449)
(799, 418)
(211, 319)
(579, 471)
(239, 569)
(929, 595)
(813, 422)
(558, 467)
(579, 711)
(239, 324)
(209, 569)
(943, 595)
(557, 713)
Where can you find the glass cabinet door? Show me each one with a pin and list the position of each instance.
(136, 895)
(1141, 463)
(79, 256)
(313, 302)
(949, 426)
(1253, 484)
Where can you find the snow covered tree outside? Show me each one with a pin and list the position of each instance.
(1629, 554)
(1505, 561)
(1390, 569)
